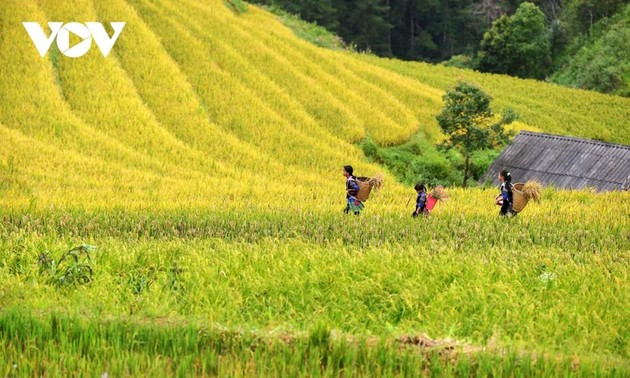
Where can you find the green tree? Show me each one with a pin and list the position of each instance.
(367, 26)
(583, 14)
(469, 124)
(517, 45)
(603, 62)
(321, 12)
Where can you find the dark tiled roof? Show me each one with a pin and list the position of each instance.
(564, 162)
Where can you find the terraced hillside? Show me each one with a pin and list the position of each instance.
(197, 104)
(174, 209)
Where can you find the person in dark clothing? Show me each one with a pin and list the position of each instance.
(505, 199)
(352, 189)
(421, 200)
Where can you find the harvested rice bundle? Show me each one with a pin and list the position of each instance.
(524, 192)
(377, 181)
(532, 190)
(439, 193)
(366, 184)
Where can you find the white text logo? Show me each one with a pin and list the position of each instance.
(61, 31)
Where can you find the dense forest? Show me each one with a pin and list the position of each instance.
(581, 43)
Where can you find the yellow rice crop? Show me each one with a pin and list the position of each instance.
(198, 106)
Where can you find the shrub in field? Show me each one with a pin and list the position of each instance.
(73, 268)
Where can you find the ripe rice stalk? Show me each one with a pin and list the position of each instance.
(377, 181)
(439, 193)
(532, 190)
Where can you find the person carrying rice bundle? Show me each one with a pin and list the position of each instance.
(421, 200)
(505, 199)
(352, 189)
(425, 201)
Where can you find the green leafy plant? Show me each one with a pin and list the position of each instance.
(74, 267)
(140, 279)
(469, 123)
(517, 45)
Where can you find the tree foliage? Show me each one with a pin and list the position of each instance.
(583, 14)
(469, 123)
(429, 30)
(602, 63)
(517, 45)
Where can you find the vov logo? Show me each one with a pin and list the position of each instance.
(87, 32)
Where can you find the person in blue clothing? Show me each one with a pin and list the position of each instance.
(421, 200)
(352, 189)
(505, 199)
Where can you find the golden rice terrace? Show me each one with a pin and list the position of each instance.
(175, 209)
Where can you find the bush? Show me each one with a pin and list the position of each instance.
(460, 61)
(418, 160)
(481, 161)
(370, 149)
